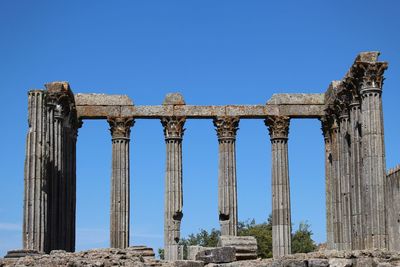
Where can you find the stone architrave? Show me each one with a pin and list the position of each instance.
(281, 217)
(120, 181)
(173, 132)
(226, 128)
(374, 167)
(326, 125)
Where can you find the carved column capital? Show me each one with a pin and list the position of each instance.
(226, 127)
(120, 127)
(371, 75)
(173, 127)
(326, 124)
(352, 85)
(278, 127)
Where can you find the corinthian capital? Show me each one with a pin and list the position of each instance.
(226, 127)
(371, 75)
(173, 127)
(120, 127)
(278, 127)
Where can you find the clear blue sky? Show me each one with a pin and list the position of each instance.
(213, 52)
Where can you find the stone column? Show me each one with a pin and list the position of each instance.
(355, 174)
(336, 187)
(374, 168)
(35, 232)
(61, 129)
(49, 200)
(120, 132)
(173, 202)
(281, 221)
(326, 124)
(344, 165)
(227, 189)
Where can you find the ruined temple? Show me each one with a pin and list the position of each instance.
(362, 197)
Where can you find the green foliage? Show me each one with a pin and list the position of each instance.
(262, 232)
(301, 239)
(203, 238)
(161, 253)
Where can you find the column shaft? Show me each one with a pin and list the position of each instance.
(173, 203)
(336, 188)
(355, 176)
(35, 233)
(227, 186)
(344, 164)
(120, 182)
(328, 182)
(374, 168)
(281, 217)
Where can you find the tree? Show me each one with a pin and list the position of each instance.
(301, 239)
(203, 238)
(161, 253)
(262, 232)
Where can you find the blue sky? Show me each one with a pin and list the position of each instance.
(213, 52)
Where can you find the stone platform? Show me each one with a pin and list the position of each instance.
(135, 257)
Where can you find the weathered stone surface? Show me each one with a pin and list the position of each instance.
(226, 128)
(120, 181)
(188, 263)
(102, 100)
(133, 257)
(174, 99)
(278, 127)
(297, 99)
(340, 262)
(22, 253)
(173, 133)
(145, 252)
(393, 200)
(193, 250)
(201, 112)
(370, 56)
(318, 263)
(245, 246)
(217, 255)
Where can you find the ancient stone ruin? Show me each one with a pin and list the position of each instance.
(362, 200)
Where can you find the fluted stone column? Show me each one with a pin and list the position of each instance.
(336, 187)
(326, 125)
(61, 131)
(50, 179)
(35, 231)
(344, 165)
(120, 132)
(173, 202)
(227, 189)
(374, 168)
(355, 174)
(281, 217)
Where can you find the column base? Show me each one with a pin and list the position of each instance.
(19, 253)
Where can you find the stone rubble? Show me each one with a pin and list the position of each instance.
(143, 257)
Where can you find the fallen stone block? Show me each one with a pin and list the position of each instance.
(245, 246)
(217, 255)
(188, 263)
(193, 250)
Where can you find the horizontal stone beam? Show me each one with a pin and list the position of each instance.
(102, 100)
(291, 105)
